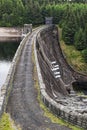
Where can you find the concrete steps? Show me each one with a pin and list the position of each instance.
(55, 69)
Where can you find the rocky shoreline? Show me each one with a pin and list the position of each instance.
(10, 34)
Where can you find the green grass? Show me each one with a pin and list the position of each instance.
(6, 123)
(48, 113)
(73, 56)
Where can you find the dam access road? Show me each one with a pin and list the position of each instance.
(23, 105)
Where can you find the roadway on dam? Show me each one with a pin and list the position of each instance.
(23, 105)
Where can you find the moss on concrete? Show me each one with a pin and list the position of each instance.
(6, 123)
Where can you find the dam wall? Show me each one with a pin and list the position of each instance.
(7, 87)
(55, 93)
(55, 78)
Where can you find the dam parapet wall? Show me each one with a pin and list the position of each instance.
(7, 87)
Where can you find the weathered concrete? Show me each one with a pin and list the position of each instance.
(23, 104)
(6, 88)
(49, 20)
(27, 28)
(19, 97)
(69, 106)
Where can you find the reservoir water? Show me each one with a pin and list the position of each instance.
(7, 52)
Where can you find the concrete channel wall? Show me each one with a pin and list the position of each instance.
(6, 88)
(56, 108)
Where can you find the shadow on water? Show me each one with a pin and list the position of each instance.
(7, 52)
(80, 87)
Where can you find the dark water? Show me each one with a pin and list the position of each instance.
(7, 52)
(80, 87)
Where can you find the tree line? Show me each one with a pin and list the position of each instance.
(74, 27)
(18, 12)
(71, 15)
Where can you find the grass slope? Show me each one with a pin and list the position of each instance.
(6, 123)
(73, 56)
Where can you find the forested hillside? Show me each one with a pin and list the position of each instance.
(18, 12)
(74, 27)
(71, 15)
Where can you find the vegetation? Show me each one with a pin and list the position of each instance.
(71, 15)
(74, 30)
(6, 123)
(18, 12)
(73, 56)
(84, 53)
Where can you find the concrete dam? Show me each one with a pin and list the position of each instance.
(57, 82)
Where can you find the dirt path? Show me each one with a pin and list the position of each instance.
(23, 105)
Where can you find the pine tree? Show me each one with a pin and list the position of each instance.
(85, 33)
(69, 27)
(80, 40)
(84, 54)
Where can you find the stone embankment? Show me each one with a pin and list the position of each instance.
(7, 87)
(56, 78)
(8, 34)
(23, 105)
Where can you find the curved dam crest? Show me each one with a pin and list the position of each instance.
(56, 79)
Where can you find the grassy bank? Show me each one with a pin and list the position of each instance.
(73, 56)
(6, 123)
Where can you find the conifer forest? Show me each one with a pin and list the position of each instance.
(70, 15)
